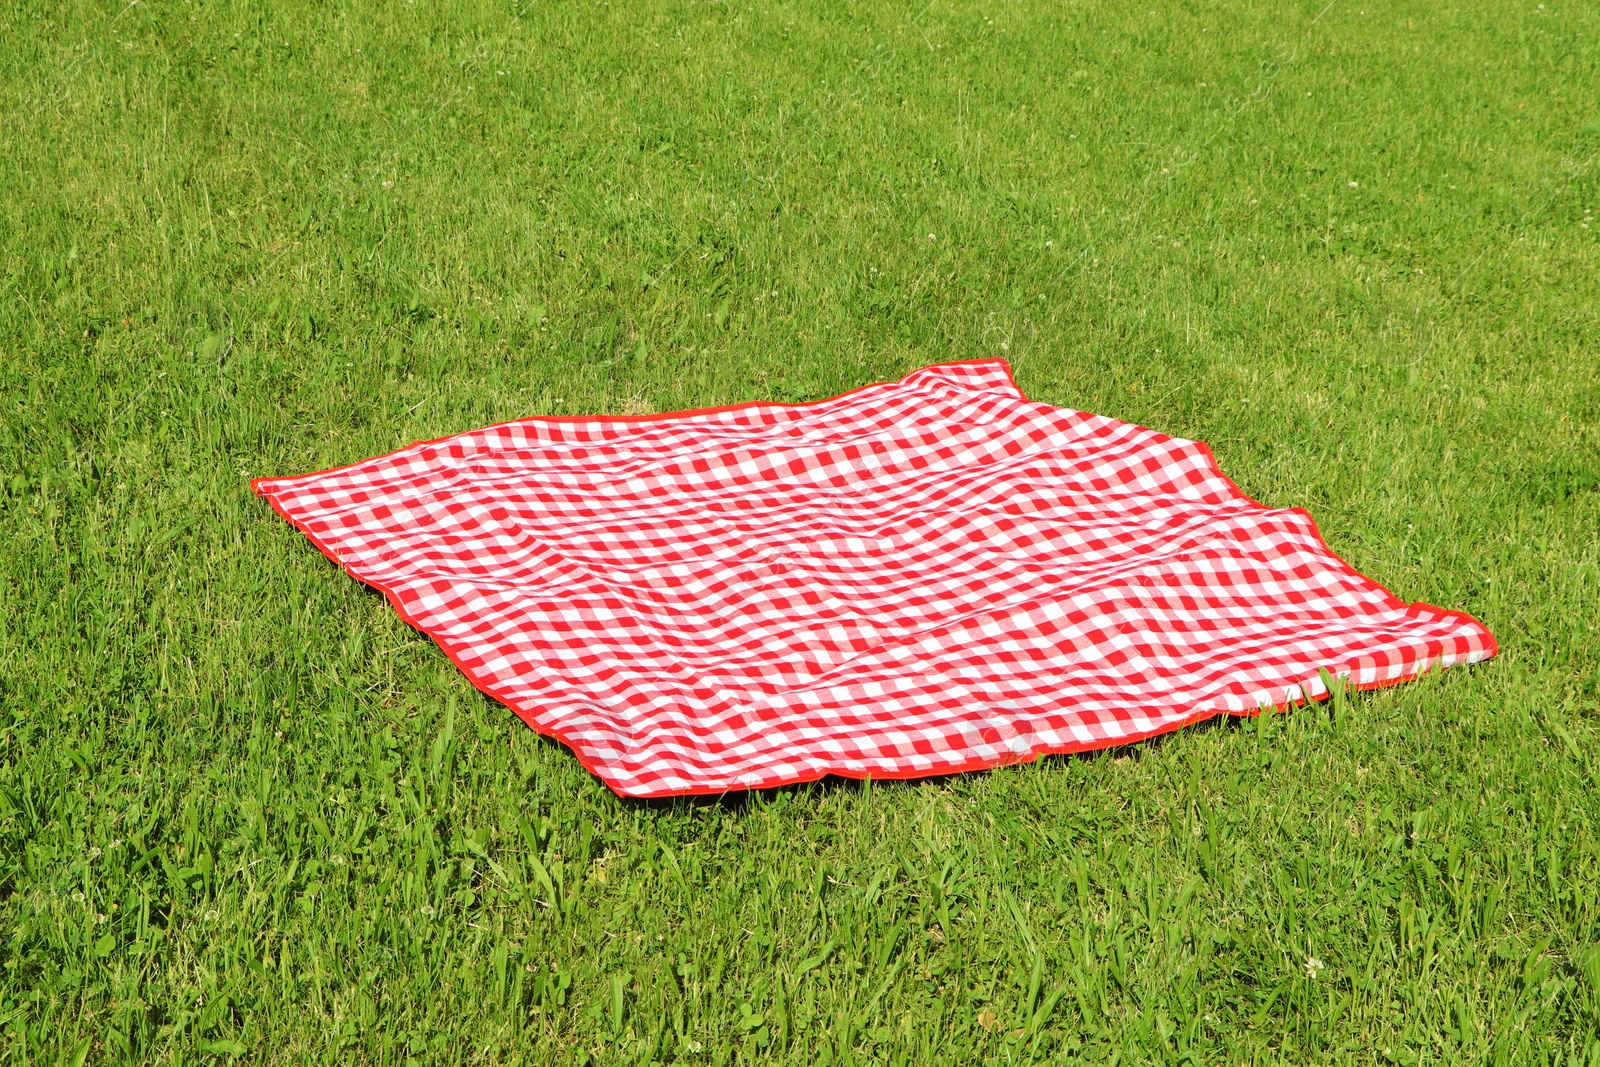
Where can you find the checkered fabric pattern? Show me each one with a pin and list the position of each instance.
(911, 579)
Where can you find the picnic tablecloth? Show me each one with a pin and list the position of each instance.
(914, 578)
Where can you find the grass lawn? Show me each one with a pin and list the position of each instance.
(246, 813)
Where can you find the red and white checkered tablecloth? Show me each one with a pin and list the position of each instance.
(911, 579)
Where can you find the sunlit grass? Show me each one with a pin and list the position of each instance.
(245, 812)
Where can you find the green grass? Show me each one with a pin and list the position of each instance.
(246, 813)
